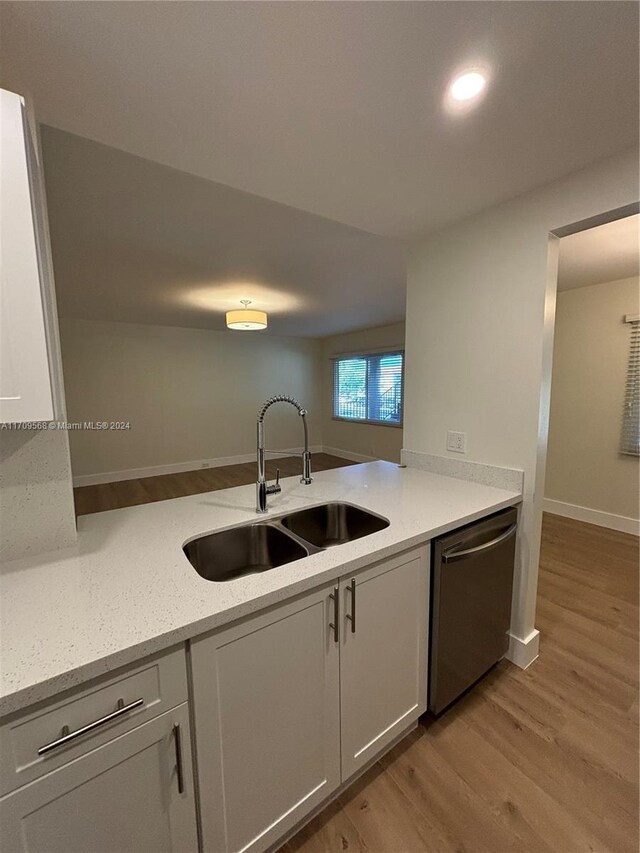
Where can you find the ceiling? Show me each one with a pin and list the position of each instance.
(337, 108)
(139, 242)
(607, 253)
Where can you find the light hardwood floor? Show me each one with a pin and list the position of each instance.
(106, 496)
(543, 760)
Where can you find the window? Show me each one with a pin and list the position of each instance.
(630, 439)
(368, 388)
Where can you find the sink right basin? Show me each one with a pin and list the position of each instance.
(333, 524)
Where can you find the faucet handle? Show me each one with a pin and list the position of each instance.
(276, 488)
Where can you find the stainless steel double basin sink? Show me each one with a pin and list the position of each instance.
(265, 545)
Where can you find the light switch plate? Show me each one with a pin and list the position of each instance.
(457, 441)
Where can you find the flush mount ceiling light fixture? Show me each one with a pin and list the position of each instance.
(246, 319)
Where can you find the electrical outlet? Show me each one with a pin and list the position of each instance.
(457, 441)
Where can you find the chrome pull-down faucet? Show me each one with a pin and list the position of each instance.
(262, 489)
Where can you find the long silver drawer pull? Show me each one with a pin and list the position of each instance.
(352, 616)
(335, 597)
(452, 556)
(69, 736)
(178, 744)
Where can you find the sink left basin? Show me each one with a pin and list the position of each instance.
(242, 551)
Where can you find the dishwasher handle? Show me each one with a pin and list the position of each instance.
(453, 556)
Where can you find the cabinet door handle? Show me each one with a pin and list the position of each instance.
(335, 597)
(352, 616)
(177, 739)
(68, 736)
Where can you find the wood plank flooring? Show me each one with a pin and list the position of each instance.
(542, 760)
(106, 496)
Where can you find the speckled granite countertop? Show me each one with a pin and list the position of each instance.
(126, 590)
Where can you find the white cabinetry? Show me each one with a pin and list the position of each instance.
(120, 798)
(266, 703)
(27, 324)
(383, 662)
(106, 769)
(290, 704)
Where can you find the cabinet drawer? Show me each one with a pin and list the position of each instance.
(134, 794)
(33, 743)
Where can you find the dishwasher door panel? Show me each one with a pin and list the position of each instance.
(471, 605)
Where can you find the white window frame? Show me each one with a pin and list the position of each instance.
(367, 355)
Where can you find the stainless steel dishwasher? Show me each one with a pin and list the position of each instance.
(471, 585)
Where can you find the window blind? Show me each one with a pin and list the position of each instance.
(630, 438)
(368, 388)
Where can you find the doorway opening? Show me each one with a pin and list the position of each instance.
(593, 449)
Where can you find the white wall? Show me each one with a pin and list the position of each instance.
(376, 441)
(591, 350)
(190, 394)
(480, 306)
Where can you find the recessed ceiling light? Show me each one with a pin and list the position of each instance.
(467, 86)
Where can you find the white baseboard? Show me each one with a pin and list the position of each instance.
(523, 652)
(180, 467)
(347, 454)
(593, 516)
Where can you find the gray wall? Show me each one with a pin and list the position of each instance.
(584, 465)
(190, 394)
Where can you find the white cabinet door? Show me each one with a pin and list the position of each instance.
(266, 704)
(120, 798)
(383, 655)
(25, 384)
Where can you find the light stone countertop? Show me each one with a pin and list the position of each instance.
(126, 590)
